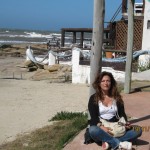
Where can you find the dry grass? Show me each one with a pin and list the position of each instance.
(52, 137)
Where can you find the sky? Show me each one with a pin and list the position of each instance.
(51, 15)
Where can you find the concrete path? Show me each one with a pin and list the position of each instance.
(136, 105)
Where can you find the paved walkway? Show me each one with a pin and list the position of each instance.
(136, 105)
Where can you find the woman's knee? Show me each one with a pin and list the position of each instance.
(93, 130)
(138, 130)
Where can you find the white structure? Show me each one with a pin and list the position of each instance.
(28, 52)
(52, 59)
(138, 7)
(144, 60)
(38, 60)
(81, 73)
(146, 27)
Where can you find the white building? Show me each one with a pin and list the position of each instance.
(146, 27)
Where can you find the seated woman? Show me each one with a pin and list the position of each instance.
(107, 103)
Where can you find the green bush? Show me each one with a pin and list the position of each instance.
(68, 115)
(5, 46)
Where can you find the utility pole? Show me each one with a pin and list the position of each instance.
(97, 41)
(128, 70)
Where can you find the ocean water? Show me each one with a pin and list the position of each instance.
(9, 36)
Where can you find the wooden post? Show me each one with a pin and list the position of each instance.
(143, 6)
(81, 39)
(124, 6)
(128, 70)
(74, 37)
(62, 38)
(97, 41)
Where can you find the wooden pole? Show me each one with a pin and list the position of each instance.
(97, 41)
(81, 39)
(62, 38)
(143, 6)
(124, 6)
(74, 37)
(128, 70)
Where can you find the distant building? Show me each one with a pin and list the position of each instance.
(115, 33)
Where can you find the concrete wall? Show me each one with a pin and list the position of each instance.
(146, 28)
(144, 59)
(80, 73)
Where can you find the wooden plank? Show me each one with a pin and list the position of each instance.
(113, 50)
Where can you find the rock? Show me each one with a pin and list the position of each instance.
(57, 73)
(64, 69)
(16, 54)
(40, 74)
(46, 67)
(53, 68)
(68, 77)
(28, 63)
(61, 74)
(34, 68)
(69, 68)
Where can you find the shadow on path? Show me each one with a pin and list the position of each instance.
(140, 119)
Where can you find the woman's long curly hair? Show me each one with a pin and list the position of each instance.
(113, 91)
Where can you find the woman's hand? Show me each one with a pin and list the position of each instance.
(128, 125)
(107, 129)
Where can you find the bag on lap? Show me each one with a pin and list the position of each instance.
(118, 128)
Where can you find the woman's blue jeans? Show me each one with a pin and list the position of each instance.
(99, 135)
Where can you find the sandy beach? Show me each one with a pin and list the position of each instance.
(26, 105)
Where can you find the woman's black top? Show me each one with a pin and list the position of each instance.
(94, 111)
